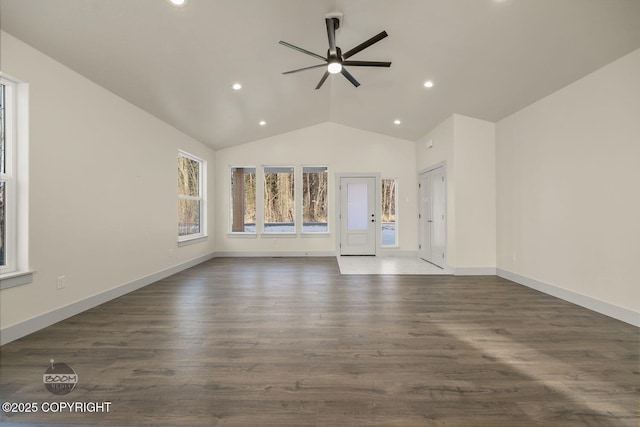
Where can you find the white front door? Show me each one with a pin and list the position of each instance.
(358, 221)
(432, 219)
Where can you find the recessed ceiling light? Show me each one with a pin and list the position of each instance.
(178, 3)
(428, 83)
(262, 123)
(236, 86)
(396, 122)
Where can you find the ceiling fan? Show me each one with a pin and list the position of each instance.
(336, 60)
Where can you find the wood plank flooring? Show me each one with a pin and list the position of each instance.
(291, 342)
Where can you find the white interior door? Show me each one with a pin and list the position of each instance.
(424, 216)
(432, 221)
(358, 216)
(439, 217)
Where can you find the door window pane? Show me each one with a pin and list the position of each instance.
(357, 207)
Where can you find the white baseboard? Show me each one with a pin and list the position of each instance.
(273, 254)
(602, 307)
(19, 330)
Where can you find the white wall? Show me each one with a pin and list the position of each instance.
(475, 192)
(103, 204)
(467, 148)
(568, 193)
(343, 150)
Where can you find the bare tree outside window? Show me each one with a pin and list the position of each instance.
(189, 196)
(243, 199)
(3, 171)
(389, 237)
(279, 200)
(314, 199)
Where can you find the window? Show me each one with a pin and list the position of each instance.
(279, 200)
(191, 200)
(243, 200)
(6, 182)
(314, 199)
(14, 183)
(389, 209)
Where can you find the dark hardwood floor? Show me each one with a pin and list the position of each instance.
(291, 342)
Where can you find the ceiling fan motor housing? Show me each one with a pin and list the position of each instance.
(337, 18)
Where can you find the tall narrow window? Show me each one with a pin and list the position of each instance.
(6, 181)
(279, 202)
(314, 199)
(243, 200)
(388, 209)
(191, 201)
(14, 183)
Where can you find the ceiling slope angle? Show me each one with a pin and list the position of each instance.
(487, 59)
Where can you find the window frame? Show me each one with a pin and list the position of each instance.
(8, 176)
(16, 269)
(230, 210)
(396, 243)
(302, 199)
(202, 192)
(263, 223)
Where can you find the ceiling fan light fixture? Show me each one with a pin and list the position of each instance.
(334, 67)
(178, 3)
(335, 61)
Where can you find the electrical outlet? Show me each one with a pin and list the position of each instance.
(60, 282)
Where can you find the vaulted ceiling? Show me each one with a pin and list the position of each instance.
(486, 58)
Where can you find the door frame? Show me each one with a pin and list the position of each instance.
(443, 165)
(338, 212)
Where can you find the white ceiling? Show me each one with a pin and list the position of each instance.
(487, 58)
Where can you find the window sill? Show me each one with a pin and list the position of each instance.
(17, 278)
(241, 235)
(325, 235)
(278, 235)
(192, 240)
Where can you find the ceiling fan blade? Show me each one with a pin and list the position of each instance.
(367, 63)
(324, 77)
(331, 34)
(364, 45)
(299, 49)
(305, 68)
(349, 77)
